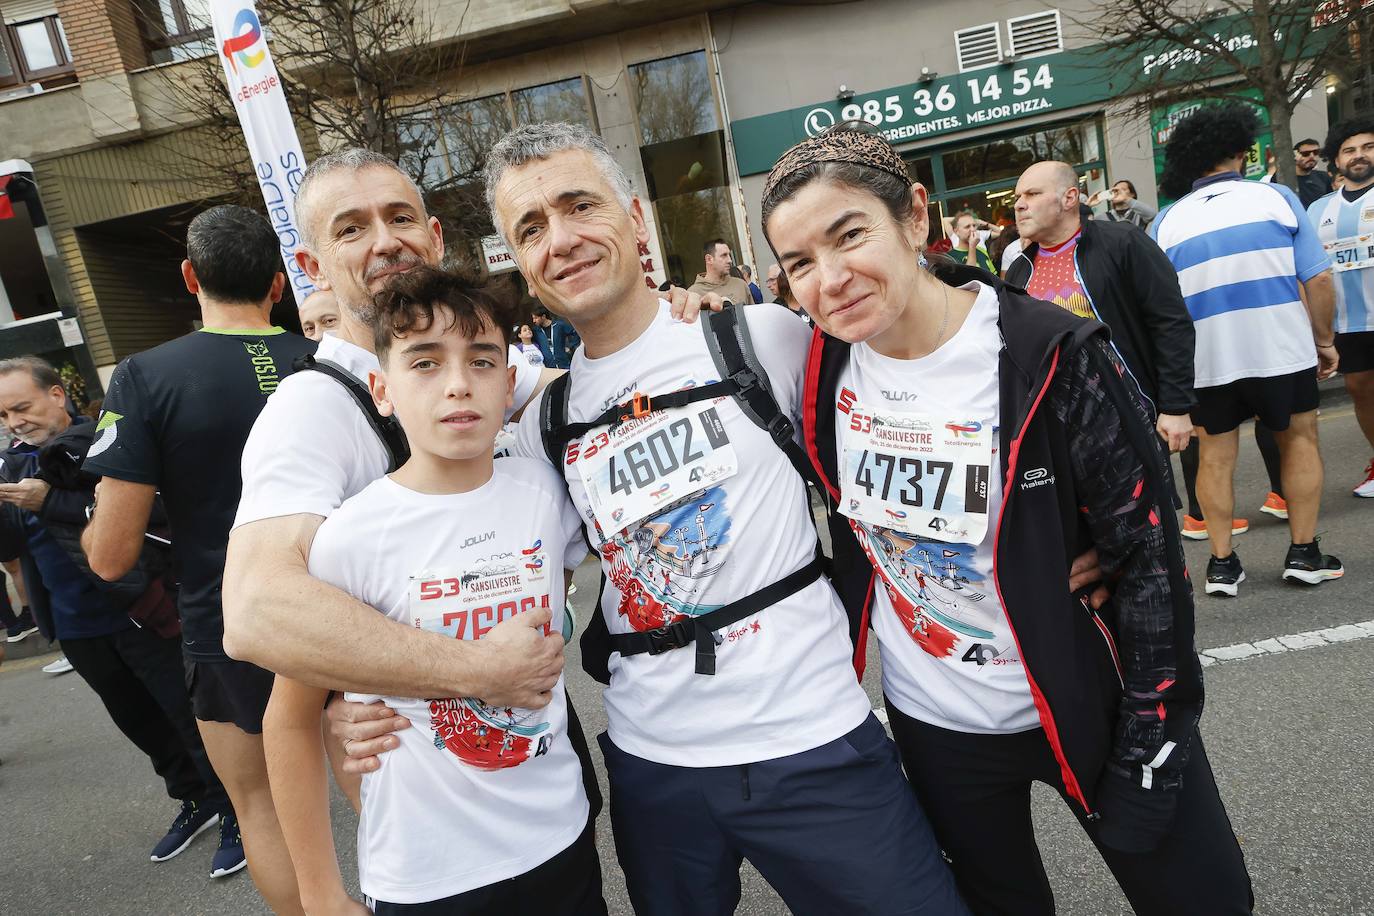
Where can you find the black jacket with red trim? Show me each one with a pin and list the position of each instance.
(1132, 286)
(1118, 690)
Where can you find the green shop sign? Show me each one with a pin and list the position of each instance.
(932, 108)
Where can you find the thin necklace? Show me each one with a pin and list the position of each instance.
(944, 322)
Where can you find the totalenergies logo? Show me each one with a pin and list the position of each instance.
(967, 430)
(247, 32)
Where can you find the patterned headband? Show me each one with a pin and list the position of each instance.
(838, 145)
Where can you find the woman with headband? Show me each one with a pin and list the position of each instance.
(973, 440)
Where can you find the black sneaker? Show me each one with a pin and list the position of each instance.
(190, 823)
(1308, 565)
(1224, 576)
(229, 857)
(23, 627)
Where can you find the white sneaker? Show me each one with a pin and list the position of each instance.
(61, 666)
(1366, 487)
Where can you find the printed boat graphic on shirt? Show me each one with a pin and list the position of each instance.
(659, 566)
(930, 585)
(488, 737)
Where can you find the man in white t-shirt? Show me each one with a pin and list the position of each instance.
(776, 756)
(482, 808)
(362, 221)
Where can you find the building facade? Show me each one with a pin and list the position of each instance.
(103, 163)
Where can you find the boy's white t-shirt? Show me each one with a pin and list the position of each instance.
(949, 656)
(784, 680)
(474, 794)
(312, 447)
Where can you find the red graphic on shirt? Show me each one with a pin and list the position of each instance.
(927, 632)
(485, 737)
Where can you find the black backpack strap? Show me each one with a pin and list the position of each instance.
(386, 428)
(701, 630)
(553, 420)
(732, 350)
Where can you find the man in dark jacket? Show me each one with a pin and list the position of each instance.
(1105, 270)
(137, 673)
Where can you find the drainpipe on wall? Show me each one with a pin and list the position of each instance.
(736, 186)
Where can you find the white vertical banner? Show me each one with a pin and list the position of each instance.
(266, 121)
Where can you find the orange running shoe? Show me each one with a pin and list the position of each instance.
(1275, 505)
(1196, 529)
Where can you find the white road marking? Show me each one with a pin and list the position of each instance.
(1292, 643)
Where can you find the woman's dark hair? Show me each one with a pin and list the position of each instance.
(999, 245)
(1205, 139)
(409, 302)
(1343, 131)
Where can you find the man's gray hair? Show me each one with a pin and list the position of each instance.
(540, 141)
(352, 159)
(38, 368)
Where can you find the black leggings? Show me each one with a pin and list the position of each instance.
(975, 790)
(1269, 451)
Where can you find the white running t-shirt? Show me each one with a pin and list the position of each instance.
(919, 468)
(312, 446)
(474, 794)
(727, 516)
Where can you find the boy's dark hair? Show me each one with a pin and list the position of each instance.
(1343, 131)
(1130, 185)
(710, 247)
(1203, 140)
(409, 302)
(235, 253)
(1302, 143)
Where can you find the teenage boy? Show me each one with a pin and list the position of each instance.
(482, 807)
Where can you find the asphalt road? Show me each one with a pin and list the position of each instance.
(1289, 731)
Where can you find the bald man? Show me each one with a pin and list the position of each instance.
(319, 313)
(1112, 272)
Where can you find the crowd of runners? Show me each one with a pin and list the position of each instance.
(284, 560)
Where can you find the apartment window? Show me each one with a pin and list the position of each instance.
(33, 51)
(978, 46)
(1038, 33)
(674, 97)
(176, 29)
(562, 101)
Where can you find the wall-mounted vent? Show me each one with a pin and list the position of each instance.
(1038, 33)
(978, 46)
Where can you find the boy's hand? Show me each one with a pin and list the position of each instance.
(522, 660)
(365, 731)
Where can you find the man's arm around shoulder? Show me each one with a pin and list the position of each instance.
(278, 616)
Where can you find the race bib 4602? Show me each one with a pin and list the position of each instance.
(633, 470)
(919, 474)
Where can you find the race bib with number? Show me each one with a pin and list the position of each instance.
(634, 470)
(1353, 253)
(917, 473)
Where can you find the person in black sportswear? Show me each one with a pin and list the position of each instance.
(175, 420)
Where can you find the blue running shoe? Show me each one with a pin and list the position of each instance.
(190, 823)
(229, 857)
